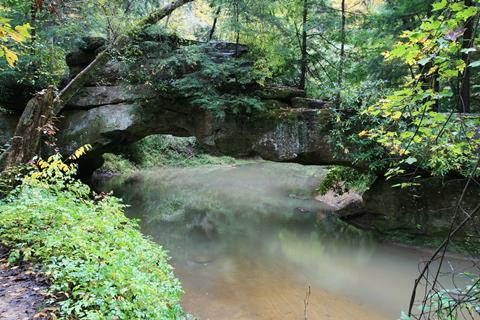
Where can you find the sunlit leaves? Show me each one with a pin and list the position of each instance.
(439, 5)
(436, 41)
(55, 170)
(80, 152)
(9, 55)
(18, 35)
(416, 133)
(467, 13)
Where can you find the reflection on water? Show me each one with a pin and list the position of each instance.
(248, 241)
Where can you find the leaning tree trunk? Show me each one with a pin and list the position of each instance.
(41, 109)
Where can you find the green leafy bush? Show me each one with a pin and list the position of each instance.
(345, 179)
(98, 263)
(117, 163)
(165, 150)
(162, 151)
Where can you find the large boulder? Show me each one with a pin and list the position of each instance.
(347, 205)
(296, 138)
(427, 209)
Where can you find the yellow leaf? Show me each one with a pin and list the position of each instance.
(363, 134)
(396, 115)
(17, 37)
(23, 31)
(10, 56)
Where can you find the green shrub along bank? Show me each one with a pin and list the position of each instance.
(97, 262)
(162, 151)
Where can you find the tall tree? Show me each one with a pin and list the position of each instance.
(341, 66)
(464, 104)
(236, 14)
(304, 49)
(214, 25)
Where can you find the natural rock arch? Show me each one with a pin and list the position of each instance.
(109, 113)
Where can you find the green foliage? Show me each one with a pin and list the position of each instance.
(162, 151)
(117, 164)
(98, 263)
(445, 306)
(344, 179)
(200, 74)
(12, 177)
(415, 131)
(345, 122)
(8, 34)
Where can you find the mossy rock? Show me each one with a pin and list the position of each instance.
(283, 93)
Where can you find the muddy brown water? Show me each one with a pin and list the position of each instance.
(246, 243)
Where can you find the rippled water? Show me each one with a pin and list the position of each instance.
(248, 241)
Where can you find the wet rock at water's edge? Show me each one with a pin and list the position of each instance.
(346, 205)
(427, 209)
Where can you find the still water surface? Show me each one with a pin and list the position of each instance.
(248, 241)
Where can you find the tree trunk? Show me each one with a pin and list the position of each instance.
(468, 38)
(31, 127)
(341, 66)
(237, 43)
(237, 27)
(304, 62)
(158, 15)
(33, 22)
(167, 21)
(214, 25)
(44, 106)
(436, 88)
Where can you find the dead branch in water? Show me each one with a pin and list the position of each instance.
(306, 302)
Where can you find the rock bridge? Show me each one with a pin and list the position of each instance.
(110, 113)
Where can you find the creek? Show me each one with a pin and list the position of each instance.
(248, 241)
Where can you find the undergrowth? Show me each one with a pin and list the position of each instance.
(344, 179)
(97, 262)
(162, 151)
